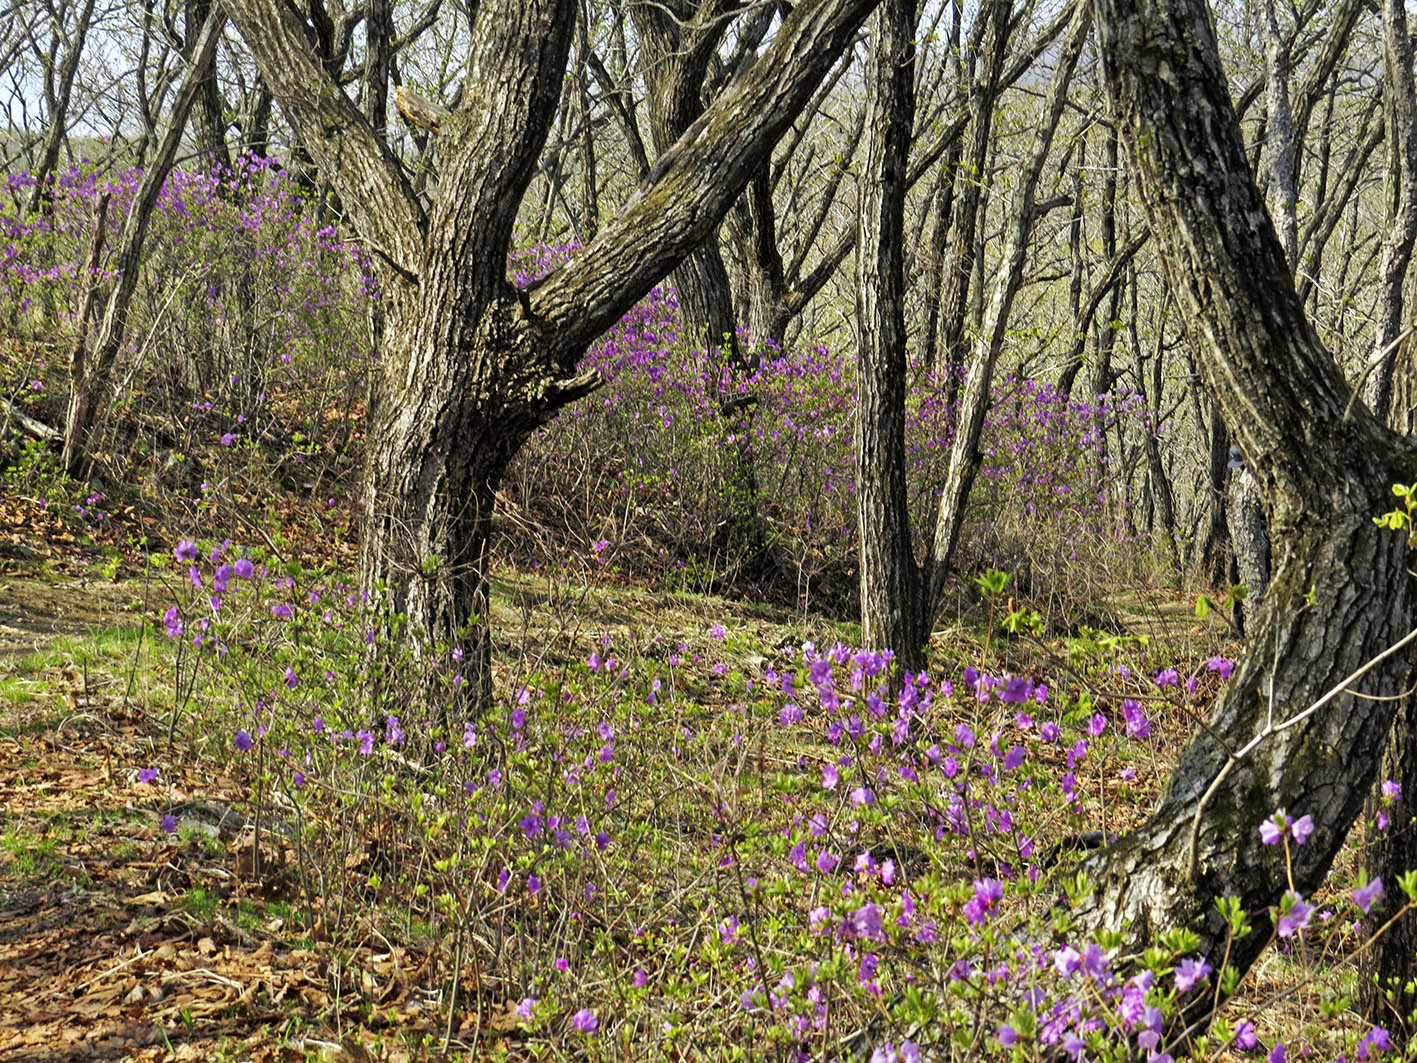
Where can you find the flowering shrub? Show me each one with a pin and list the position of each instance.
(246, 352)
(659, 847)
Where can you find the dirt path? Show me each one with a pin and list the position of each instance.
(118, 938)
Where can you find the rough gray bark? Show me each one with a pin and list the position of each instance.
(892, 614)
(472, 365)
(1249, 538)
(1340, 592)
(1401, 106)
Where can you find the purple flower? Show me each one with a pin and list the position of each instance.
(1376, 1038)
(639, 979)
(169, 824)
(243, 741)
(1167, 677)
(1015, 690)
(1367, 896)
(1392, 791)
(1067, 961)
(185, 551)
(1245, 1035)
(1277, 1054)
(1189, 972)
(1138, 726)
(282, 611)
(830, 776)
(524, 1009)
(868, 920)
(291, 679)
(244, 569)
(1097, 724)
(147, 775)
(1007, 1035)
(585, 1021)
(1224, 667)
(173, 623)
(1295, 913)
(1273, 830)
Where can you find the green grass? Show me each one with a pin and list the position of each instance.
(198, 903)
(31, 856)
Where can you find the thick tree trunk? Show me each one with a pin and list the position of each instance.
(1340, 594)
(1388, 993)
(891, 614)
(474, 365)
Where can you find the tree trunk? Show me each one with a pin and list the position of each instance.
(964, 448)
(474, 365)
(1388, 993)
(1340, 593)
(959, 268)
(58, 117)
(208, 120)
(1397, 247)
(90, 378)
(1249, 538)
(891, 615)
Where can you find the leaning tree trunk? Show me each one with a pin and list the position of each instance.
(90, 376)
(1388, 994)
(1340, 593)
(965, 455)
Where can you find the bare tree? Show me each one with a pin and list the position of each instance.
(474, 365)
(1287, 730)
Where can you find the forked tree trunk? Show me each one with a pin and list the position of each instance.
(1340, 592)
(474, 365)
(91, 375)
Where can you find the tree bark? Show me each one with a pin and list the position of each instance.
(891, 605)
(1340, 592)
(474, 365)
